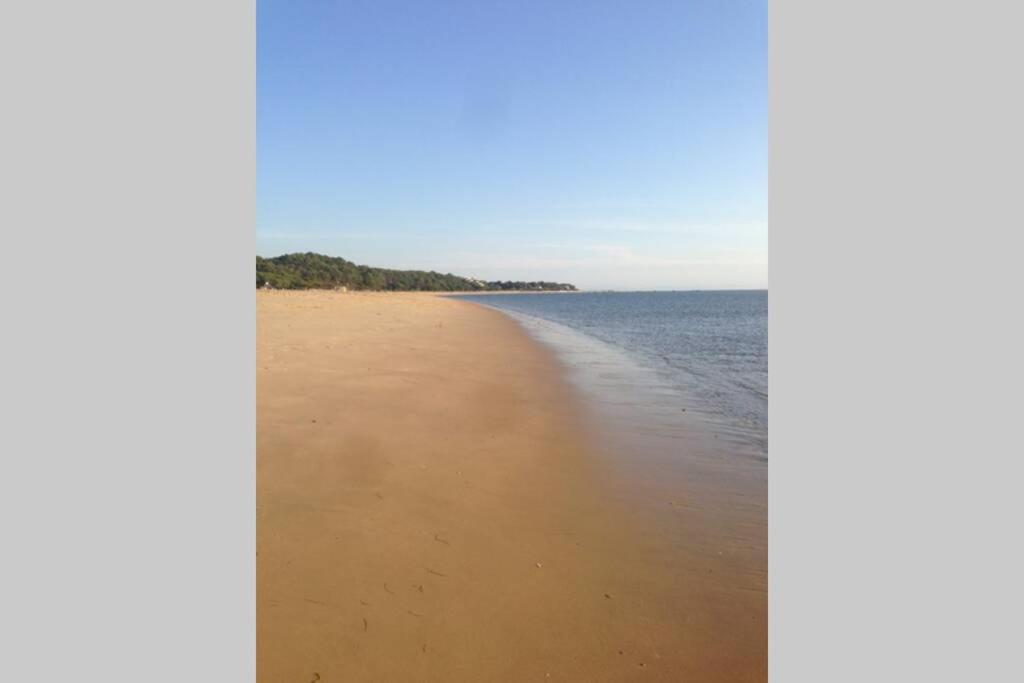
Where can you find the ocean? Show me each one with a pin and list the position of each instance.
(665, 361)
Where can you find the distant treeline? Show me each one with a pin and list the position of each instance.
(316, 271)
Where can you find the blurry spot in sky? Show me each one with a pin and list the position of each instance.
(485, 109)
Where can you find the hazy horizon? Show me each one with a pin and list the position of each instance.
(530, 279)
(607, 145)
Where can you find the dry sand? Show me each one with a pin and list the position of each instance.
(430, 508)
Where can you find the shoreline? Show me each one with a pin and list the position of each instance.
(605, 372)
(430, 507)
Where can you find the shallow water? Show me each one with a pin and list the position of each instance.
(673, 364)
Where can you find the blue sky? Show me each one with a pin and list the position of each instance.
(610, 144)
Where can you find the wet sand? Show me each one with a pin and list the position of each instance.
(433, 505)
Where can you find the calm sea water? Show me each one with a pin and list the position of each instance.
(664, 352)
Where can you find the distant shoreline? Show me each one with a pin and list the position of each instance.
(316, 271)
(510, 291)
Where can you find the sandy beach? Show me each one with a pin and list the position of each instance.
(432, 506)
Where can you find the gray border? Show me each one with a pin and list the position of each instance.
(127, 488)
(895, 341)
